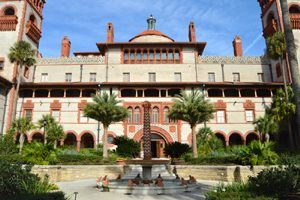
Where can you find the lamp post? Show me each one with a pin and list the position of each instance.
(98, 128)
(44, 126)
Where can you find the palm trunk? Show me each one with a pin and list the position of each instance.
(105, 150)
(16, 96)
(267, 137)
(55, 144)
(21, 141)
(287, 100)
(45, 136)
(194, 142)
(292, 57)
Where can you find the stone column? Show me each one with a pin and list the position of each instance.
(147, 131)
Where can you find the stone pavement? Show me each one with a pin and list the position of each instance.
(87, 191)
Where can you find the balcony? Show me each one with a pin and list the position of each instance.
(265, 5)
(33, 32)
(295, 20)
(8, 23)
(270, 29)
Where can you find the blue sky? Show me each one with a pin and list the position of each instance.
(216, 21)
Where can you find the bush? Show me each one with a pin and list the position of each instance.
(236, 191)
(212, 158)
(16, 180)
(257, 153)
(207, 141)
(276, 181)
(127, 148)
(7, 145)
(39, 154)
(176, 149)
(42, 196)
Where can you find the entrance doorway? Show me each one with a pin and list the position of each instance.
(158, 144)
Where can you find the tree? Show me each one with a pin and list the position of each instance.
(55, 132)
(207, 141)
(265, 126)
(293, 62)
(127, 147)
(23, 55)
(105, 109)
(45, 122)
(22, 126)
(176, 149)
(276, 48)
(193, 109)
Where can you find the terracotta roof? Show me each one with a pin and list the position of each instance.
(151, 32)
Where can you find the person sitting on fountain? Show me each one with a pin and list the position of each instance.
(159, 177)
(192, 180)
(159, 183)
(99, 182)
(183, 182)
(130, 183)
(137, 179)
(119, 177)
(105, 184)
(174, 171)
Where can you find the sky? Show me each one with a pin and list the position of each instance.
(217, 22)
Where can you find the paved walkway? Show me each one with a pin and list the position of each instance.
(87, 191)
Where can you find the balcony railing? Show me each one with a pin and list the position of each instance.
(270, 29)
(8, 23)
(33, 32)
(295, 20)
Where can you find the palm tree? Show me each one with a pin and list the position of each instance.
(283, 108)
(55, 132)
(23, 55)
(44, 123)
(105, 109)
(292, 57)
(22, 126)
(276, 48)
(193, 109)
(265, 126)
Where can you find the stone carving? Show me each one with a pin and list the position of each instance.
(220, 104)
(147, 131)
(257, 60)
(55, 105)
(249, 104)
(71, 60)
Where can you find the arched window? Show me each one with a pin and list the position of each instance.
(137, 115)
(9, 11)
(166, 118)
(155, 115)
(294, 9)
(130, 115)
(32, 19)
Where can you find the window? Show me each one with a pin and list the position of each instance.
(130, 115)
(28, 114)
(278, 70)
(44, 77)
(82, 118)
(221, 116)
(126, 56)
(137, 115)
(166, 118)
(249, 115)
(26, 72)
(236, 77)
(110, 139)
(1, 64)
(158, 55)
(126, 77)
(152, 77)
(93, 77)
(177, 77)
(260, 77)
(55, 114)
(9, 11)
(211, 77)
(155, 116)
(68, 77)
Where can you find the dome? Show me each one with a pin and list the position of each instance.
(151, 36)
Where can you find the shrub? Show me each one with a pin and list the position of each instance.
(257, 153)
(42, 196)
(207, 141)
(127, 148)
(276, 181)
(39, 154)
(7, 145)
(176, 149)
(237, 191)
(15, 180)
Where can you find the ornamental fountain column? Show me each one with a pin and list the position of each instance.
(147, 169)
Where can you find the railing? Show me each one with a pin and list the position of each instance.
(270, 29)
(33, 32)
(295, 20)
(8, 23)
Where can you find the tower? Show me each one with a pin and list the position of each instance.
(110, 33)
(65, 47)
(237, 46)
(151, 22)
(19, 20)
(192, 32)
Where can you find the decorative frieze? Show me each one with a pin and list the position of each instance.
(71, 60)
(250, 60)
(8, 22)
(249, 104)
(33, 32)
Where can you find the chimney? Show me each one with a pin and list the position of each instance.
(192, 32)
(237, 46)
(65, 47)
(110, 33)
